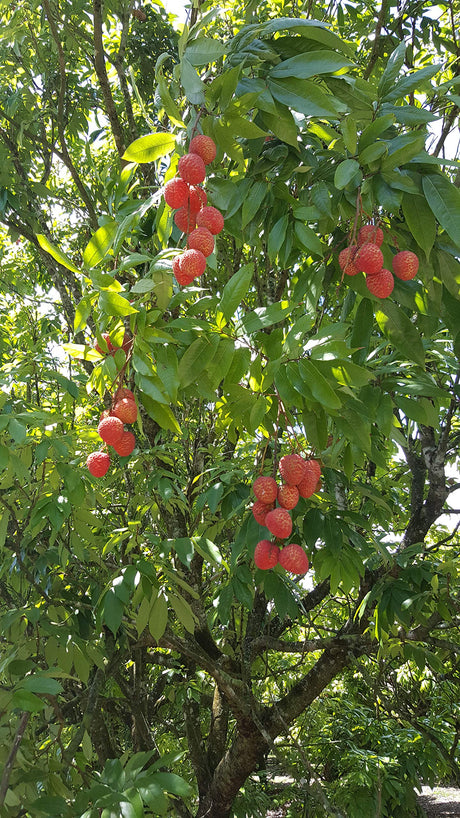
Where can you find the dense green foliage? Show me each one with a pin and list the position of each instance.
(147, 667)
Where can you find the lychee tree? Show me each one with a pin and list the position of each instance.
(254, 266)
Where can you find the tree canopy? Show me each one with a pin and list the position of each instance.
(148, 666)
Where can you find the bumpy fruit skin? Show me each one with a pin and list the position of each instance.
(292, 468)
(201, 239)
(279, 523)
(125, 445)
(288, 496)
(260, 511)
(191, 168)
(197, 198)
(266, 554)
(185, 219)
(124, 392)
(381, 284)
(176, 193)
(182, 276)
(211, 218)
(193, 263)
(347, 255)
(369, 259)
(294, 559)
(126, 410)
(205, 147)
(308, 486)
(405, 265)
(98, 463)
(370, 233)
(110, 430)
(265, 489)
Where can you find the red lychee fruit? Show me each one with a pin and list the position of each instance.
(193, 263)
(309, 483)
(126, 410)
(176, 193)
(369, 258)
(201, 239)
(260, 511)
(288, 496)
(125, 445)
(292, 468)
(123, 392)
(347, 255)
(184, 219)
(294, 559)
(205, 147)
(197, 198)
(279, 523)
(191, 168)
(211, 218)
(405, 265)
(265, 489)
(266, 554)
(98, 463)
(110, 430)
(182, 278)
(370, 233)
(381, 284)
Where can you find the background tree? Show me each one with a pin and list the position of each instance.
(148, 666)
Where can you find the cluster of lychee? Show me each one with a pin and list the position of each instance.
(301, 478)
(111, 430)
(366, 257)
(194, 217)
(111, 348)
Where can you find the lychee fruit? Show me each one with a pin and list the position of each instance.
(279, 523)
(123, 392)
(126, 410)
(266, 554)
(204, 146)
(369, 258)
(182, 277)
(347, 255)
(381, 284)
(98, 463)
(288, 496)
(176, 193)
(294, 559)
(201, 239)
(110, 346)
(265, 489)
(197, 198)
(309, 482)
(193, 263)
(370, 233)
(292, 468)
(184, 219)
(211, 218)
(191, 168)
(260, 511)
(110, 430)
(405, 265)
(126, 444)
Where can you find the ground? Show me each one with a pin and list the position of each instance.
(441, 802)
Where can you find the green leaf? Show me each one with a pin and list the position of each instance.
(150, 147)
(183, 611)
(320, 388)
(82, 313)
(58, 255)
(158, 617)
(348, 171)
(374, 130)
(305, 97)
(277, 235)
(115, 304)
(196, 358)
(163, 415)
(42, 684)
(99, 244)
(349, 133)
(204, 50)
(235, 290)
(25, 700)
(112, 611)
(170, 782)
(253, 201)
(444, 200)
(192, 84)
(420, 221)
(412, 82)
(400, 331)
(392, 69)
(362, 330)
(402, 149)
(308, 238)
(281, 122)
(309, 64)
(264, 317)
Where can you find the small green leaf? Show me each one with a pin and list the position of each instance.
(112, 611)
(320, 388)
(115, 304)
(99, 244)
(420, 221)
(444, 200)
(305, 97)
(204, 50)
(196, 358)
(392, 69)
(348, 171)
(149, 148)
(235, 290)
(158, 617)
(42, 684)
(400, 331)
(309, 64)
(308, 238)
(192, 84)
(58, 255)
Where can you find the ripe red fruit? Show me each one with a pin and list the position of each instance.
(292, 468)
(124, 392)
(405, 265)
(110, 430)
(260, 511)
(125, 445)
(197, 198)
(98, 463)
(201, 239)
(126, 410)
(193, 263)
(279, 522)
(211, 218)
(288, 496)
(370, 233)
(204, 146)
(191, 168)
(309, 484)
(347, 255)
(182, 277)
(294, 559)
(176, 193)
(110, 346)
(381, 284)
(265, 489)
(369, 258)
(184, 219)
(266, 554)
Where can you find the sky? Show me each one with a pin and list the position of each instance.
(177, 7)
